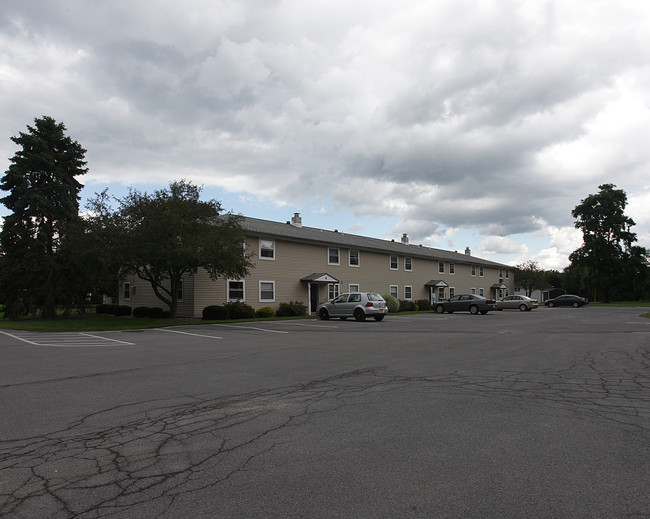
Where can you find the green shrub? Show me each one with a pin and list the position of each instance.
(215, 313)
(155, 313)
(290, 309)
(240, 310)
(102, 309)
(265, 311)
(141, 311)
(423, 304)
(123, 310)
(392, 303)
(407, 306)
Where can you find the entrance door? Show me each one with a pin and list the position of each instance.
(313, 296)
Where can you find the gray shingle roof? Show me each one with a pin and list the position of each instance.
(267, 228)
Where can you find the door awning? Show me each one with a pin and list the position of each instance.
(500, 286)
(436, 283)
(323, 278)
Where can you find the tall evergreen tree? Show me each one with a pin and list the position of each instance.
(44, 202)
(608, 263)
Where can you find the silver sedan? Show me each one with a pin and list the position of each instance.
(523, 303)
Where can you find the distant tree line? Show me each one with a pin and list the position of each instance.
(52, 257)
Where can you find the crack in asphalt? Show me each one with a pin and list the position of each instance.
(179, 446)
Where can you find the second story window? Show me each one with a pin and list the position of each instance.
(393, 263)
(408, 264)
(441, 267)
(452, 268)
(480, 271)
(354, 258)
(473, 270)
(267, 249)
(333, 257)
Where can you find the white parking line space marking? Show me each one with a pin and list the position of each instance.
(66, 340)
(187, 333)
(249, 328)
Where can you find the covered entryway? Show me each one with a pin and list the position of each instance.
(314, 282)
(499, 291)
(436, 290)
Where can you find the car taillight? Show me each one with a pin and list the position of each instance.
(368, 304)
(490, 301)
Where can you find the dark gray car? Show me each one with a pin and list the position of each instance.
(471, 303)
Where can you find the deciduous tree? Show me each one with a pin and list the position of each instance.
(607, 262)
(172, 233)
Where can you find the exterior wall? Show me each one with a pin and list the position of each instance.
(294, 261)
(141, 294)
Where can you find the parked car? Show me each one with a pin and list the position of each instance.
(354, 304)
(465, 303)
(522, 303)
(566, 300)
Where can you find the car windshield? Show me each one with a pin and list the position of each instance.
(372, 296)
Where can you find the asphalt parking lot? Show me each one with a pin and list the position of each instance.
(542, 414)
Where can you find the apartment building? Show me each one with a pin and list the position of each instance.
(293, 262)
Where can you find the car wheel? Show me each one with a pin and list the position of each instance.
(473, 309)
(359, 315)
(523, 308)
(551, 304)
(324, 314)
(440, 309)
(379, 317)
(575, 304)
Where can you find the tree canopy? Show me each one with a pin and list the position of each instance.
(44, 203)
(160, 237)
(608, 264)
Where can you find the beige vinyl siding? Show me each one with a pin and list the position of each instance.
(143, 295)
(297, 259)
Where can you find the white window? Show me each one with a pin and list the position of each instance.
(441, 293)
(332, 291)
(353, 288)
(473, 272)
(394, 265)
(236, 290)
(180, 292)
(441, 267)
(480, 272)
(507, 274)
(354, 258)
(472, 291)
(452, 291)
(500, 273)
(452, 268)
(394, 291)
(481, 292)
(267, 249)
(127, 291)
(408, 264)
(333, 257)
(408, 292)
(267, 291)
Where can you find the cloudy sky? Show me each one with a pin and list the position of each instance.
(459, 122)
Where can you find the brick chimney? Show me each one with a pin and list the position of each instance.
(296, 221)
(405, 239)
(467, 251)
